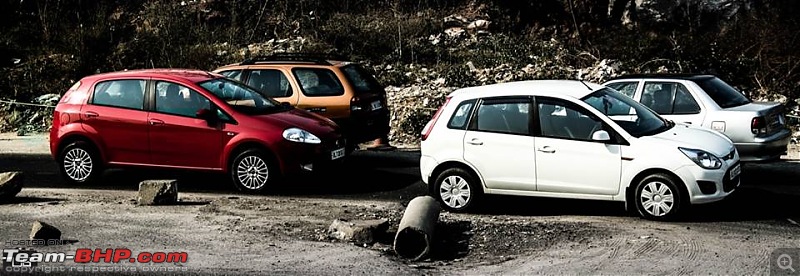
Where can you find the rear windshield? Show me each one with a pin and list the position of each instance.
(362, 81)
(723, 94)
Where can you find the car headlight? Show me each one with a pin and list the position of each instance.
(702, 158)
(301, 136)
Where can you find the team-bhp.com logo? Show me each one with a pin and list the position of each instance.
(30, 258)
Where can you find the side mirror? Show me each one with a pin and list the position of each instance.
(601, 135)
(206, 114)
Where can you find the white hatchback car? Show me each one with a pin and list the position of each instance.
(571, 139)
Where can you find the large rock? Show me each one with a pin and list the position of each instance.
(44, 231)
(158, 192)
(10, 184)
(358, 231)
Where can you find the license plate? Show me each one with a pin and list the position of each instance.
(376, 105)
(736, 171)
(338, 153)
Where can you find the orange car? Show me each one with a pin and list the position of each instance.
(343, 91)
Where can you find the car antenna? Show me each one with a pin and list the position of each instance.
(584, 84)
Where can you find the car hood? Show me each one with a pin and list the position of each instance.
(696, 138)
(320, 126)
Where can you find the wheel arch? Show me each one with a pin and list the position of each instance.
(246, 145)
(630, 191)
(453, 164)
(75, 137)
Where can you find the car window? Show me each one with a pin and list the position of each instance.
(271, 82)
(232, 74)
(666, 97)
(362, 81)
(503, 116)
(684, 102)
(723, 94)
(176, 99)
(626, 88)
(565, 120)
(461, 115)
(241, 97)
(640, 121)
(318, 82)
(120, 93)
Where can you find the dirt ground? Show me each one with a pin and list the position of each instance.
(285, 232)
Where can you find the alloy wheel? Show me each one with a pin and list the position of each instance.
(252, 172)
(78, 164)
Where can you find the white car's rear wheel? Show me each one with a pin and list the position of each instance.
(657, 197)
(456, 189)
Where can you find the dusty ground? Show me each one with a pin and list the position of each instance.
(284, 233)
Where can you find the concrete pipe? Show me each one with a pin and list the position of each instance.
(415, 234)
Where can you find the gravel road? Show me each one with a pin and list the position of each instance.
(284, 232)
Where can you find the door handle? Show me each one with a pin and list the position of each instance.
(475, 141)
(91, 114)
(156, 122)
(547, 149)
(688, 123)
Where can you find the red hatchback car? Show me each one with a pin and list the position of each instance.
(186, 119)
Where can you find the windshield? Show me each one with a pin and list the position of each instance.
(240, 97)
(723, 94)
(362, 81)
(632, 116)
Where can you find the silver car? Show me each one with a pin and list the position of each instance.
(758, 129)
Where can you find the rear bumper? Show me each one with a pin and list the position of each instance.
(360, 129)
(765, 149)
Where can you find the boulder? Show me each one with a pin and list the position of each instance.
(44, 231)
(158, 192)
(10, 184)
(358, 231)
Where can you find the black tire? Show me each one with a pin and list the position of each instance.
(446, 197)
(79, 163)
(660, 192)
(253, 171)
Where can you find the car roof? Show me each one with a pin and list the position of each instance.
(191, 75)
(692, 77)
(569, 88)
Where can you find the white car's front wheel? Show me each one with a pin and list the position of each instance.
(456, 189)
(657, 197)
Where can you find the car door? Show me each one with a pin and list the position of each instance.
(115, 113)
(673, 101)
(177, 137)
(567, 159)
(499, 143)
(273, 83)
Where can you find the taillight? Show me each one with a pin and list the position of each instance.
(355, 104)
(758, 125)
(429, 127)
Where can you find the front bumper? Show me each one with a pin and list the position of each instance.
(765, 149)
(299, 158)
(707, 186)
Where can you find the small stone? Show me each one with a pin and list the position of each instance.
(44, 231)
(357, 231)
(158, 192)
(10, 184)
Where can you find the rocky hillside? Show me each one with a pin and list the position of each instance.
(420, 49)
